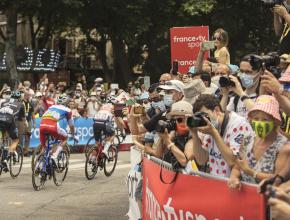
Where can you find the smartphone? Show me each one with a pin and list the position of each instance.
(208, 45)
(175, 67)
(140, 110)
(118, 109)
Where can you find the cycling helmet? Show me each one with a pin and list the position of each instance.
(99, 80)
(63, 99)
(16, 94)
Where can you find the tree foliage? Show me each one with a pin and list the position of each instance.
(131, 24)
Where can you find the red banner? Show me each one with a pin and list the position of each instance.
(185, 43)
(194, 197)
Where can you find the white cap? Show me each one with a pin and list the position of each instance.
(173, 85)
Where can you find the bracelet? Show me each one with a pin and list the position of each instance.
(170, 145)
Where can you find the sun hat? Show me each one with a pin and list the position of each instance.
(173, 85)
(267, 104)
(285, 78)
(180, 108)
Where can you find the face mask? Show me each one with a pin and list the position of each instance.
(147, 106)
(93, 98)
(181, 129)
(168, 100)
(159, 105)
(6, 96)
(246, 80)
(262, 128)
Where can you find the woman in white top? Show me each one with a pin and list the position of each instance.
(221, 39)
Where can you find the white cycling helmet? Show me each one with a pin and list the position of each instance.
(63, 99)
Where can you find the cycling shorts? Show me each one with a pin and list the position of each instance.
(7, 123)
(51, 127)
(104, 126)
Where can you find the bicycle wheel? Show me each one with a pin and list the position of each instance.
(38, 175)
(59, 172)
(90, 143)
(36, 151)
(111, 162)
(91, 167)
(16, 161)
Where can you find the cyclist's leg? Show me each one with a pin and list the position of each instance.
(12, 131)
(61, 135)
(110, 132)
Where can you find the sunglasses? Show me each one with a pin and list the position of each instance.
(216, 38)
(178, 120)
(155, 99)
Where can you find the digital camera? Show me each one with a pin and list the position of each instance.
(170, 125)
(197, 120)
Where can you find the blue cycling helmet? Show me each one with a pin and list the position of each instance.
(16, 94)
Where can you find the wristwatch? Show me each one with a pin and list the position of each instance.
(244, 97)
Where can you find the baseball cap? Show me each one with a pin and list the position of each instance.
(267, 104)
(38, 94)
(181, 108)
(173, 85)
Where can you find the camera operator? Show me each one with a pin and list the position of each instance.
(173, 92)
(242, 101)
(282, 26)
(220, 139)
(174, 135)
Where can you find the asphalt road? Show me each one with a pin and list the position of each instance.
(103, 198)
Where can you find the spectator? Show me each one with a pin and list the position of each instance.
(174, 144)
(242, 101)
(282, 26)
(30, 123)
(269, 151)
(92, 105)
(219, 141)
(74, 107)
(164, 78)
(27, 85)
(61, 87)
(221, 40)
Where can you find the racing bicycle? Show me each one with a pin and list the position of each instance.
(96, 159)
(44, 167)
(11, 162)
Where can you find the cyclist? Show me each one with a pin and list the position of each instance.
(53, 123)
(104, 121)
(10, 109)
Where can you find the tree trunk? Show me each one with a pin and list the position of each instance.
(101, 48)
(10, 47)
(123, 73)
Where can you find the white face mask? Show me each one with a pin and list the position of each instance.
(93, 98)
